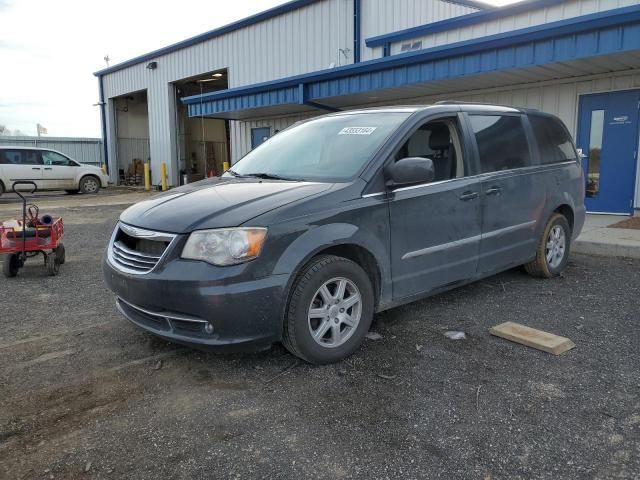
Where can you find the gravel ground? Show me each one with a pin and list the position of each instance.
(85, 394)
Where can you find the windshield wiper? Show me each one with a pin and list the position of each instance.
(235, 174)
(270, 176)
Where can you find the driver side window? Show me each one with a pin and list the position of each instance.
(440, 141)
(53, 158)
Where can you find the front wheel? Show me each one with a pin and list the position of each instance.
(89, 184)
(330, 310)
(553, 249)
(10, 265)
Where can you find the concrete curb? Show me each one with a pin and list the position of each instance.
(606, 249)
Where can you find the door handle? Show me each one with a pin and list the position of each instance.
(495, 190)
(467, 196)
(35, 168)
(49, 168)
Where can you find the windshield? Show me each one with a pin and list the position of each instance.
(330, 148)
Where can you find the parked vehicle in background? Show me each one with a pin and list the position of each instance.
(345, 215)
(49, 169)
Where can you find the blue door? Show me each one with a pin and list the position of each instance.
(259, 136)
(608, 136)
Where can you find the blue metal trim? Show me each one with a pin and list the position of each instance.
(245, 22)
(386, 50)
(357, 9)
(103, 122)
(569, 26)
(458, 22)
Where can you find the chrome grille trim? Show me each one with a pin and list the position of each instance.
(131, 261)
(163, 315)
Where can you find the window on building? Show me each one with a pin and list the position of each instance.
(20, 157)
(411, 46)
(53, 158)
(502, 142)
(439, 141)
(553, 140)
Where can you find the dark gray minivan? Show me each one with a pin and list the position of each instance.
(345, 215)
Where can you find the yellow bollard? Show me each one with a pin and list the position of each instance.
(225, 166)
(147, 177)
(104, 168)
(163, 176)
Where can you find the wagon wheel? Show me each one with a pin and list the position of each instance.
(61, 254)
(53, 264)
(11, 265)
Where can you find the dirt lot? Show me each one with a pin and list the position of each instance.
(85, 394)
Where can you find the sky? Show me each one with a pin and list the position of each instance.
(50, 49)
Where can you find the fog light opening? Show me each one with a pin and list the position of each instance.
(208, 328)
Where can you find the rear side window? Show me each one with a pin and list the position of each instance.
(553, 140)
(20, 157)
(502, 142)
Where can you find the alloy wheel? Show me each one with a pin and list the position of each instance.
(334, 312)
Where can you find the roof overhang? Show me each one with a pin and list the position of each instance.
(604, 41)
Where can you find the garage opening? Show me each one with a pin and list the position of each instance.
(132, 137)
(202, 143)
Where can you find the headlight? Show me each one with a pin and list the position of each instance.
(227, 246)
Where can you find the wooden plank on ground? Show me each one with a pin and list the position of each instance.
(547, 342)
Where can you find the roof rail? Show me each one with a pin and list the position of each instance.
(460, 102)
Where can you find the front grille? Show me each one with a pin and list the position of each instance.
(135, 250)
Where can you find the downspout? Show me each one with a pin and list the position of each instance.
(103, 121)
(356, 30)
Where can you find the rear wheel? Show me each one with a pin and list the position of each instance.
(61, 253)
(52, 263)
(330, 310)
(89, 184)
(10, 265)
(1, 188)
(553, 249)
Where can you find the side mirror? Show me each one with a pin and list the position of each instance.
(410, 171)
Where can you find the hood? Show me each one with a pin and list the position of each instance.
(216, 203)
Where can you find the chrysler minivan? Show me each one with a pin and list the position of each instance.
(345, 215)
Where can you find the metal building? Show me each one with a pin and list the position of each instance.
(215, 96)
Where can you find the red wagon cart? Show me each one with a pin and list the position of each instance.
(30, 237)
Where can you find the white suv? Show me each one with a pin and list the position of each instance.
(50, 170)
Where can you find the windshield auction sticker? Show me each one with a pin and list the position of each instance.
(357, 131)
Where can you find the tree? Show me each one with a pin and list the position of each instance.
(4, 131)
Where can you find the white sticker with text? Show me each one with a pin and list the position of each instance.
(357, 131)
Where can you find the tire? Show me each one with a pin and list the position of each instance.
(61, 254)
(541, 266)
(73, 192)
(89, 184)
(10, 265)
(52, 263)
(1, 189)
(345, 324)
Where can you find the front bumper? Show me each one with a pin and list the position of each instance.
(177, 301)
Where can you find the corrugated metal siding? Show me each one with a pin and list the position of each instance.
(569, 9)
(385, 16)
(83, 150)
(301, 41)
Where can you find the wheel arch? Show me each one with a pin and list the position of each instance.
(567, 211)
(85, 175)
